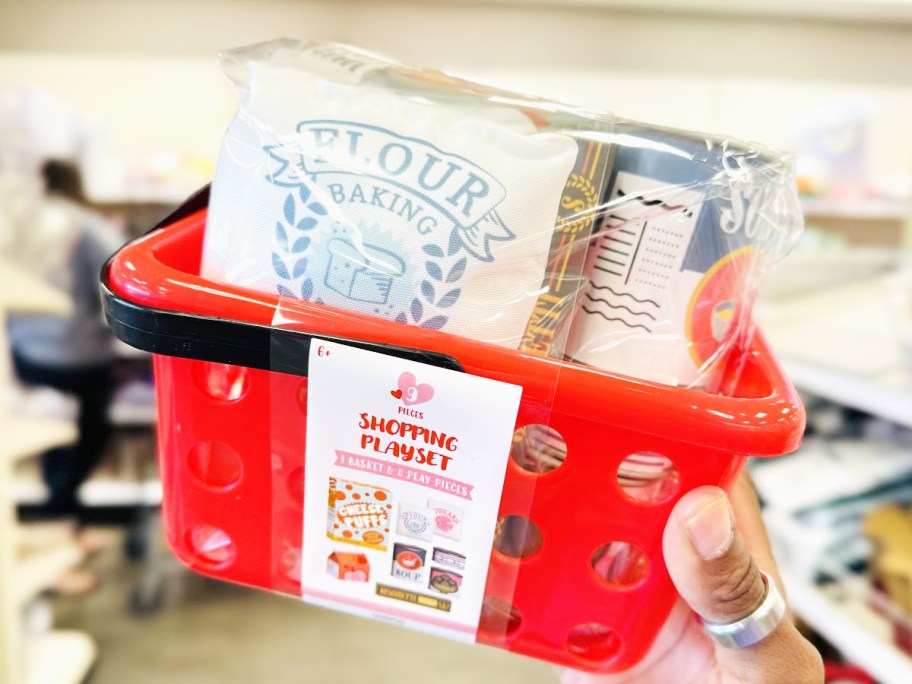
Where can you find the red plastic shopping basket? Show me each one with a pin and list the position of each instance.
(232, 442)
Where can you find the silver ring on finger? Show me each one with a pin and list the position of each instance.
(755, 627)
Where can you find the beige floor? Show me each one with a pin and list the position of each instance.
(212, 633)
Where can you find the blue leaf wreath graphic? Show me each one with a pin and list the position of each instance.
(436, 268)
(289, 261)
(293, 239)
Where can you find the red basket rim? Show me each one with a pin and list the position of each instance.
(158, 272)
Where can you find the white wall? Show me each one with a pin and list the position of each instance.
(146, 71)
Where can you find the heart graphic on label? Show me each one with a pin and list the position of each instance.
(397, 393)
(412, 392)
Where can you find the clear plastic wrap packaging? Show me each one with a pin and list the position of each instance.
(453, 353)
(352, 181)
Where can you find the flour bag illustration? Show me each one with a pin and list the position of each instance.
(346, 183)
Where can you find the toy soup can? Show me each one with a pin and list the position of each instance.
(673, 268)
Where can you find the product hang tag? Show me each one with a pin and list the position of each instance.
(404, 466)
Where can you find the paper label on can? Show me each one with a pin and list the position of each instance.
(641, 284)
(393, 445)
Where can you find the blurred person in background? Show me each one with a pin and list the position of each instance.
(67, 244)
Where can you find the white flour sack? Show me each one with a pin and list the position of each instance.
(335, 188)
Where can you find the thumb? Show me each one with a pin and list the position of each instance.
(713, 570)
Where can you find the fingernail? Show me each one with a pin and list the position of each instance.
(711, 529)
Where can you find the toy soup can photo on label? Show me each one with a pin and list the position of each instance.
(409, 562)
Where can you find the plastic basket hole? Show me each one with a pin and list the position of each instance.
(498, 617)
(212, 547)
(648, 478)
(593, 642)
(516, 536)
(620, 564)
(295, 484)
(222, 381)
(214, 465)
(538, 448)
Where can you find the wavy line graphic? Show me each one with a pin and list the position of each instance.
(624, 294)
(609, 318)
(619, 306)
(652, 202)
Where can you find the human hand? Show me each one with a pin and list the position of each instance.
(714, 547)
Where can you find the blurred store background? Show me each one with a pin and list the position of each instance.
(129, 92)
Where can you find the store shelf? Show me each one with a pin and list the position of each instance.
(120, 493)
(843, 343)
(28, 564)
(873, 209)
(860, 11)
(126, 414)
(94, 493)
(808, 270)
(885, 396)
(124, 351)
(30, 436)
(33, 537)
(21, 292)
(38, 571)
(61, 657)
(167, 195)
(842, 616)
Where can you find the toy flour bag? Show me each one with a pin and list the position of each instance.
(350, 182)
(368, 390)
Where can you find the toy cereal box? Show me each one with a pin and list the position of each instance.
(359, 514)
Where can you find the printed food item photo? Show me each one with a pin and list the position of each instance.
(450, 558)
(448, 519)
(408, 562)
(353, 567)
(415, 521)
(445, 582)
(359, 514)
